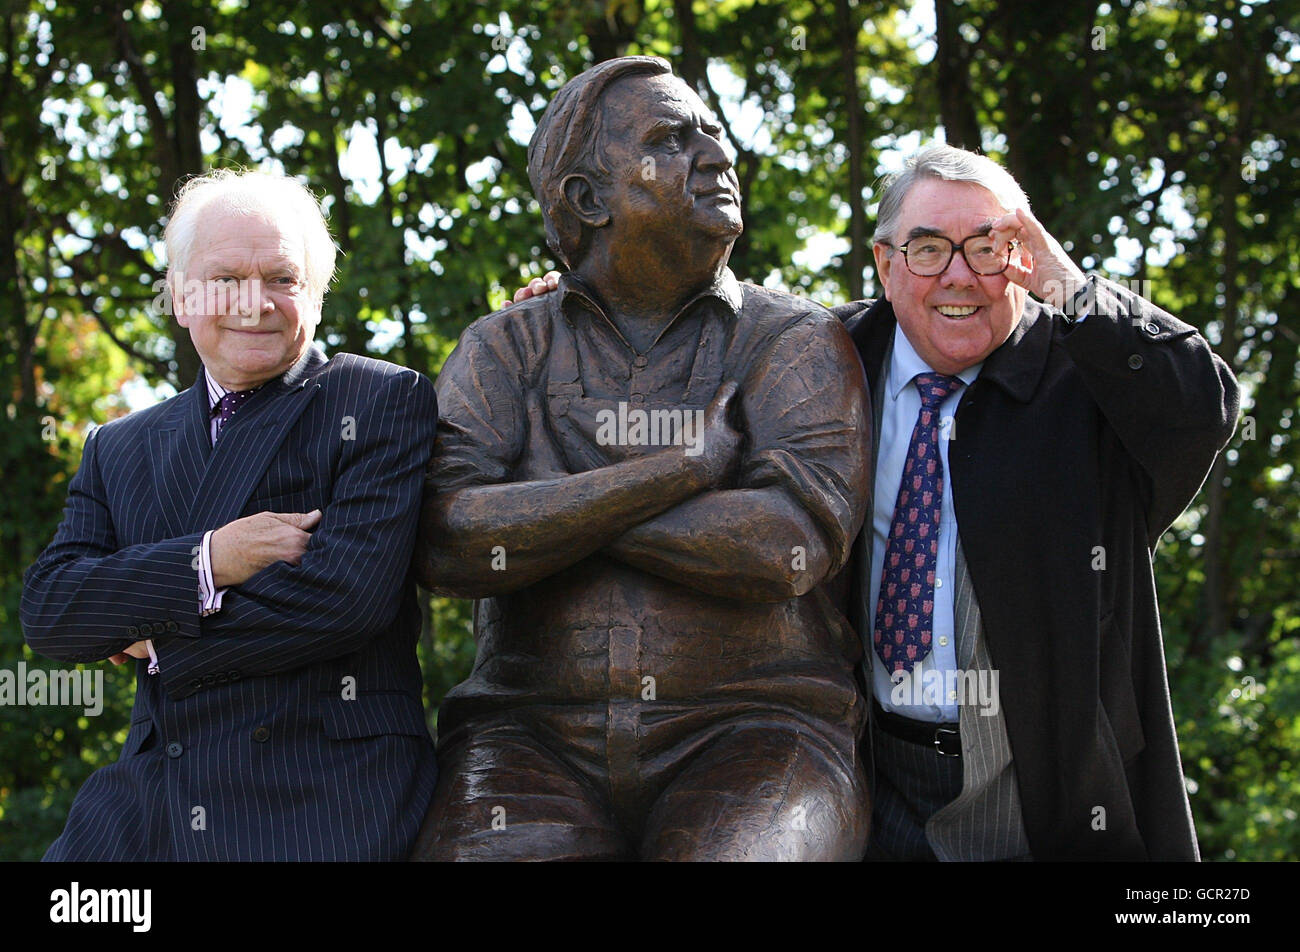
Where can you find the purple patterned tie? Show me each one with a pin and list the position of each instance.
(225, 408)
(905, 609)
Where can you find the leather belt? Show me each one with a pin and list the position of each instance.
(945, 739)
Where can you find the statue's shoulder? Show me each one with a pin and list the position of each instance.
(773, 311)
(517, 332)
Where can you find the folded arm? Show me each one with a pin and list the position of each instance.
(755, 544)
(482, 540)
(803, 487)
(347, 588)
(488, 540)
(85, 599)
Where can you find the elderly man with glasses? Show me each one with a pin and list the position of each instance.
(1029, 456)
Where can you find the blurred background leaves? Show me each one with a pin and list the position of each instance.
(1155, 140)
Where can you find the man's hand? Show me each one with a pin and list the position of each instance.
(719, 447)
(137, 650)
(1051, 275)
(242, 548)
(538, 287)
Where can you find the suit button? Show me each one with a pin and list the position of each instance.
(133, 632)
(1134, 361)
(172, 627)
(1152, 328)
(234, 675)
(146, 630)
(175, 749)
(261, 734)
(222, 677)
(209, 679)
(196, 684)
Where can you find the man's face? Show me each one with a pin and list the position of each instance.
(671, 178)
(956, 319)
(244, 299)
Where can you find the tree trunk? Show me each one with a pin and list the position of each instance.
(1243, 84)
(955, 108)
(849, 27)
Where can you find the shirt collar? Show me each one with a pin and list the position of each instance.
(906, 363)
(312, 358)
(725, 289)
(216, 391)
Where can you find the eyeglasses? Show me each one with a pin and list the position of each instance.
(930, 255)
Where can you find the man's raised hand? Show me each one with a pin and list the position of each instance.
(1049, 274)
(538, 286)
(242, 548)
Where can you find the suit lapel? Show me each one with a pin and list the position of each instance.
(179, 450)
(249, 442)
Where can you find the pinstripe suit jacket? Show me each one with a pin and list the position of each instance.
(289, 725)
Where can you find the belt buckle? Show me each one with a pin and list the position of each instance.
(938, 742)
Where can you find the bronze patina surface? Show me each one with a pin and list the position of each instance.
(647, 479)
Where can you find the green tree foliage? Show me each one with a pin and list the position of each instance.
(1156, 140)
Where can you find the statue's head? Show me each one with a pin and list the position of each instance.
(628, 146)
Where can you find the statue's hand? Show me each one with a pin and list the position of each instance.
(719, 448)
(538, 287)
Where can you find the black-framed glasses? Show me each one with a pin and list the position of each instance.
(929, 255)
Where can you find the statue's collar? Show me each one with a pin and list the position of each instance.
(725, 289)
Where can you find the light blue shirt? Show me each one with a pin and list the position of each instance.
(902, 406)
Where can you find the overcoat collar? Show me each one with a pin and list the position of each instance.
(1017, 366)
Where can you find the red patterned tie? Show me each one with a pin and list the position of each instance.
(905, 609)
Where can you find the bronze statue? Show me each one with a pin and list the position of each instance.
(646, 479)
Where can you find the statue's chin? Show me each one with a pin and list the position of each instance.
(723, 226)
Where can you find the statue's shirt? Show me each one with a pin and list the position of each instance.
(550, 388)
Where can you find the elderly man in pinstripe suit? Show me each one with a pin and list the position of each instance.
(248, 542)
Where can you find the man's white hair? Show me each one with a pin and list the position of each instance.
(952, 165)
(264, 195)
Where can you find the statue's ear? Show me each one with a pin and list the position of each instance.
(584, 201)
